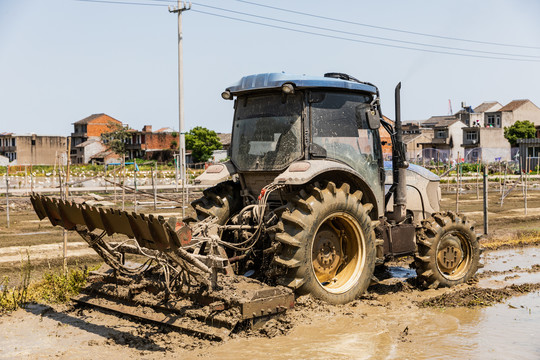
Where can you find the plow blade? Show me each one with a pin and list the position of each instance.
(190, 287)
(212, 315)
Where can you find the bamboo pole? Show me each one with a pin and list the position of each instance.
(527, 166)
(7, 195)
(154, 190)
(485, 201)
(114, 187)
(123, 181)
(66, 197)
(135, 185)
(477, 176)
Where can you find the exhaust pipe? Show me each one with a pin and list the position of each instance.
(399, 164)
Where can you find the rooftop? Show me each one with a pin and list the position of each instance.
(485, 106)
(513, 105)
(86, 120)
(224, 138)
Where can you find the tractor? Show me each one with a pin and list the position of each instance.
(307, 200)
(305, 205)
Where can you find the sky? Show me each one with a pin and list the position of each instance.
(63, 60)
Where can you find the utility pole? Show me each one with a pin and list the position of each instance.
(179, 9)
(66, 196)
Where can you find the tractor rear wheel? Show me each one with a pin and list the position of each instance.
(448, 251)
(221, 201)
(327, 243)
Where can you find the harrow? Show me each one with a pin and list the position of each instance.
(166, 272)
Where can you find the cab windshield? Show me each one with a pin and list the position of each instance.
(340, 131)
(267, 131)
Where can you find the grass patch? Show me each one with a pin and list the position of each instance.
(53, 288)
(521, 239)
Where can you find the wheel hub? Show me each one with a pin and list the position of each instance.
(450, 254)
(326, 254)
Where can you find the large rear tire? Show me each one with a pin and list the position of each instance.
(448, 251)
(327, 243)
(221, 201)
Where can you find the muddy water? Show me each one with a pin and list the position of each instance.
(510, 330)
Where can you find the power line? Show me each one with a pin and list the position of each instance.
(362, 35)
(362, 41)
(387, 28)
(323, 35)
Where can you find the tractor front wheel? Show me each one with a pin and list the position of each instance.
(448, 251)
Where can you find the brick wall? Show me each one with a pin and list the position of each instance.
(154, 141)
(100, 125)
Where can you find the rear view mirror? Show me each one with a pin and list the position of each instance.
(367, 114)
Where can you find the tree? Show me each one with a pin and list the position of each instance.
(202, 142)
(522, 129)
(115, 138)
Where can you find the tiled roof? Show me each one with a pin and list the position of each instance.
(166, 129)
(407, 138)
(485, 106)
(224, 138)
(86, 120)
(513, 105)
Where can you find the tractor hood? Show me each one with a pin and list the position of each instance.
(276, 80)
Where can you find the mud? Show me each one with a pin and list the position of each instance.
(475, 297)
(389, 321)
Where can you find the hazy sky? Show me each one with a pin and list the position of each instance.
(62, 60)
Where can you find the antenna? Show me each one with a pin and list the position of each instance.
(450, 112)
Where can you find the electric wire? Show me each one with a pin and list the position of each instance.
(339, 37)
(360, 41)
(349, 32)
(386, 28)
(362, 35)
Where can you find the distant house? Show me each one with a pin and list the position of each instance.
(87, 134)
(105, 157)
(386, 139)
(32, 149)
(447, 138)
(225, 140)
(86, 150)
(157, 145)
(414, 135)
(484, 140)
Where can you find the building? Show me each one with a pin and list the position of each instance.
(413, 143)
(386, 139)
(32, 149)
(225, 140)
(86, 136)
(157, 145)
(447, 139)
(484, 140)
(105, 157)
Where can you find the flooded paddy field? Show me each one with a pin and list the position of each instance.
(394, 320)
(495, 317)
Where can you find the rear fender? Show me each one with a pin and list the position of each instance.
(215, 174)
(305, 171)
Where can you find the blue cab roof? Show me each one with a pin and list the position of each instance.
(276, 80)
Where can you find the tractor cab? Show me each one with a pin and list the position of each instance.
(281, 119)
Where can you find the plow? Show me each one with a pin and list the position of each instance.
(305, 205)
(165, 282)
